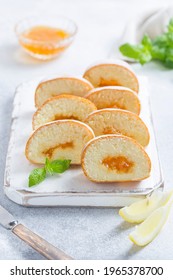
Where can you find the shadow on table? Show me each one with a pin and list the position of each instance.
(14, 54)
(123, 226)
(134, 250)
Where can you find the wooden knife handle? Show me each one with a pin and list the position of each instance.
(39, 244)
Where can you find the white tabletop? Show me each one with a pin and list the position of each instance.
(84, 233)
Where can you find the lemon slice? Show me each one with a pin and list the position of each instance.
(140, 210)
(149, 229)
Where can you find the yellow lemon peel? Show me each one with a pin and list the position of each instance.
(137, 212)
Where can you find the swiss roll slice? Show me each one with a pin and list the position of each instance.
(63, 139)
(61, 85)
(115, 158)
(112, 73)
(117, 121)
(115, 97)
(63, 107)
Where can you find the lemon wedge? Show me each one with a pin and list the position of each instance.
(149, 229)
(140, 210)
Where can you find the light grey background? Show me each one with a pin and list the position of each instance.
(83, 233)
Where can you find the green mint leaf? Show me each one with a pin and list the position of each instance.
(170, 26)
(161, 48)
(59, 166)
(37, 176)
(170, 40)
(169, 53)
(161, 41)
(48, 166)
(145, 57)
(146, 42)
(169, 58)
(131, 50)
(169, 63)
(139, 52)
(158, 52)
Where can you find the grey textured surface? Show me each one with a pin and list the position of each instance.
(83, 233)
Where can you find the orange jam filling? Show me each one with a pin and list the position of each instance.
(110, 130)
(117, 106)
(66, 145)
(60, 117)
(104, 83)
(50, 151)
(121, 164)
(43, 40)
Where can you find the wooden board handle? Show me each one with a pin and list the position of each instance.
(39, 244)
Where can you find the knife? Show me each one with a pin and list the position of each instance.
(32, 239)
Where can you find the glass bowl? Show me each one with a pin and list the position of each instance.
(45, 49)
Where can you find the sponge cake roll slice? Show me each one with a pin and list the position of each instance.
(63, 107)
(117, 121)
(62, 139)
(115, 97)
(116, 73)
(115, 158)
(61, 85)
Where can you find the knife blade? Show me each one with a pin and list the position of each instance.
(6, 219)
(39, 244)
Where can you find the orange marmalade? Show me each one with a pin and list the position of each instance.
(44, 40)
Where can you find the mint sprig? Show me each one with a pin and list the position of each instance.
(48, 167)
(57, 166)
(161, 48)
(38, 175)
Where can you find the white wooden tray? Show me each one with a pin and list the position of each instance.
(71, 188)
